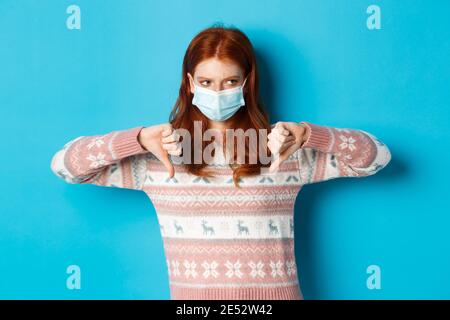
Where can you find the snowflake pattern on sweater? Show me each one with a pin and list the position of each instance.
(223, 242)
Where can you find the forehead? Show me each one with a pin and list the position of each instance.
(214, 68)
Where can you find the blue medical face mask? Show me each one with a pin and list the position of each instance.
(219, 105)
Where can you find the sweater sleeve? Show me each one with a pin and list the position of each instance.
(340, 152)
(115, 159)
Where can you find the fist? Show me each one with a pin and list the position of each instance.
(284, 139)
(161, 140)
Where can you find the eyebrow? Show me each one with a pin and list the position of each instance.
(203, 78)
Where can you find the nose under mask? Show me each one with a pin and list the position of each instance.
(219, 105)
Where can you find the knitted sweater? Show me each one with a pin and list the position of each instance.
(223, 242)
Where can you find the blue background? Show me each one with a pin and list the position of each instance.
(318, 61)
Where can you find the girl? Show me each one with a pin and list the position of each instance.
(227, 227)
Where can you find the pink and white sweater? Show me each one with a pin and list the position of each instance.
(222, 242)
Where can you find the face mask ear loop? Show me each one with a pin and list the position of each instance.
(243, 84)
(196, 86)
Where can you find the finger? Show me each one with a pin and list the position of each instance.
(175, 152)
(170, 146)
(174, 137)
(269, 146)
(274, 166)
(289, 138)
(278, 161)
(278, 124)
(275, 135)
(282, 128)
(167, 129)
(282, 138)
(286, 145)
(284, 132)
(274, 146)
(166, 132)
(288, 151)
(164, 158)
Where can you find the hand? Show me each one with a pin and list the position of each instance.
(161, 140)
(284, 139)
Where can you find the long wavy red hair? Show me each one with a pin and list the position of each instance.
(226, 44)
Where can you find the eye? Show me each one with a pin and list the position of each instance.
(233, 81)
(203, 82)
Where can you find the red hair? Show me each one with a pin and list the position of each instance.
(226, 44)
